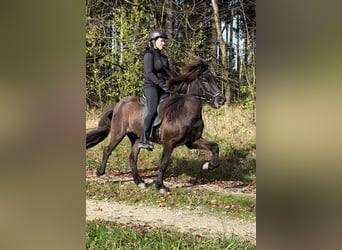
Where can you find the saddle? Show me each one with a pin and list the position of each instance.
(155, 133)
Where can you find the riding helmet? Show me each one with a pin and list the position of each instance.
(155, 34)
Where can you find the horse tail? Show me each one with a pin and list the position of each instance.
(96, 136)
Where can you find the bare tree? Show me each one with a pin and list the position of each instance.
(219, 33)
(223, 54)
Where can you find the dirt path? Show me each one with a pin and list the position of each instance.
(194, 222)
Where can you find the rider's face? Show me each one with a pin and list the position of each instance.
(160, 42)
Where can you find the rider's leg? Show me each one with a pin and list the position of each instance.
(152, 98)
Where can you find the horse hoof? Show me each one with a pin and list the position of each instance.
(142, 185)
(162, 190)
(99, 173)
(205, 166)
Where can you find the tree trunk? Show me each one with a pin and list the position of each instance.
(168, 22)
(219, 34)
(226, 26)
(246, 54)
(230, 60)
(238, 56)
(213, 39)
(225, 70)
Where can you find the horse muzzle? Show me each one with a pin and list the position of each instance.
(219, 100)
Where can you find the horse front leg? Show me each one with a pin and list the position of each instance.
(133, 158)
(210, 146)
(167, 151)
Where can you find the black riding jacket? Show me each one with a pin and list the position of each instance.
(156, 67)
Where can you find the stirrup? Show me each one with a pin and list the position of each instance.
(146, 146)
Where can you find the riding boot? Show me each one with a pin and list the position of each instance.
(144, 143)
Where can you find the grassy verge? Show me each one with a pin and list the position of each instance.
(235, 164)
(180, 198)
(231, 128)
(104, 235)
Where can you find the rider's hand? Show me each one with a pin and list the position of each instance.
(163, 86)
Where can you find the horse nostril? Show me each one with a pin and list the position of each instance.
(222, 99)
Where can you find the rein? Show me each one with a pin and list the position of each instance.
(195, 96)
(204, 90)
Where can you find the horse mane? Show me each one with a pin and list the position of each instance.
(178, 82)
(172, 107)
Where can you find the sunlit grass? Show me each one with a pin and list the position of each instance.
(231, 128)
(102, 235)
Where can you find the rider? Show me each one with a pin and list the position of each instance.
(156, 71)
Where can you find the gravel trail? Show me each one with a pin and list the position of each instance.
(194, 222)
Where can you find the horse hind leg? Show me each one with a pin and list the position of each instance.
(102, 169)
(210, 146)
(107, 152)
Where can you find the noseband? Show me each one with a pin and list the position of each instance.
(206, 92)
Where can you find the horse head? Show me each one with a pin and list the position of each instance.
(197, 80)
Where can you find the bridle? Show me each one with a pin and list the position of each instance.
(204, 90)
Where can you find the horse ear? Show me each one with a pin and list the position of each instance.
(199, 61)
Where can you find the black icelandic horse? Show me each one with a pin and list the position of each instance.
(181, 124)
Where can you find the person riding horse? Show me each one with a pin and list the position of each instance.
(156, 72)
(182, 122)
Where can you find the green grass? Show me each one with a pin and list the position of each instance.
(179, 198)
(231, 128)
(235, 164)
(105, 235)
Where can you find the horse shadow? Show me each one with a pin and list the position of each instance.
(235, 165)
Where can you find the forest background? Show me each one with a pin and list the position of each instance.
(223, 33)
